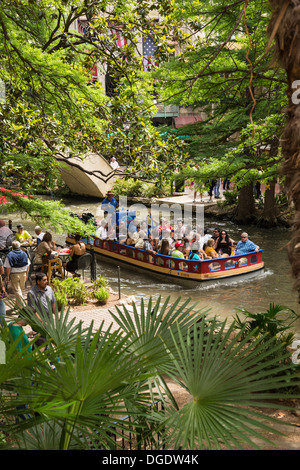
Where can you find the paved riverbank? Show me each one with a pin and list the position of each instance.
(88, 313)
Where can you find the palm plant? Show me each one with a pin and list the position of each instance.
(80, 389)
(153, 325)
(227, 376)
(275, 322)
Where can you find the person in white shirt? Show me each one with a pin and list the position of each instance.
(114, 164)
(101, 231)
(39, 234)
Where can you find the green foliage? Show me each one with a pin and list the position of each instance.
(80, 389)
(48, 213)
(101, 295)
(275, 322)
(223, 70)
(273, 327)
(53, 108)
(136, 188)
(99, 290)
(70, 289)
(73, 290)
(101, 281)
(231, 198)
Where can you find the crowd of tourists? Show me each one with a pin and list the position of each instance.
(181, 241)
(22, 254)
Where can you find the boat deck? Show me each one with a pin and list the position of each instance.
(190, 270)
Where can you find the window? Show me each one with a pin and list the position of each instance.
(229, 264)
(242, 262)
(214, 266)
(253, 259)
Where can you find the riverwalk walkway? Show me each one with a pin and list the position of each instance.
(88, 313)
(187, 197)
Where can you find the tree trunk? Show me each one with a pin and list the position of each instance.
(284, 27)
(246, 205)
(270, 212)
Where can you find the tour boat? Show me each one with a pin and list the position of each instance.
(181, 271)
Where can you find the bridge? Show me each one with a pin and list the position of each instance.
(90, 175)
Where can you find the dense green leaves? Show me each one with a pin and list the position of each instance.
(79, 391)
(226, 72)
(54, 109)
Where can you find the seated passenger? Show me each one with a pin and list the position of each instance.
(112, 231)
(129, 240)
(140, 241)
(196, 246)
(224, 244)
(216, 234)
(178, 252)
(144, 226)
(195, 255)
(155, 238)
(166, 235)
(101, 231)
(165, 248)
(132, 226)
(209, 249)
(163, 225)
(245, 245)
(203, 236)
(179, 230)
(122, 233)
(148, 245)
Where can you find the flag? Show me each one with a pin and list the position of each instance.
(149, 49)
(121, 41)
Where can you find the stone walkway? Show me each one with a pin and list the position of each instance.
(86, 313)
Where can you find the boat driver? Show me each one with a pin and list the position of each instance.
(245, 245)
(109, 204)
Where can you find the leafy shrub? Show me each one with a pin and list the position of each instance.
(70, 289)
(61, 298)
(230, 198)
(137, 188)
(99, 282)
(75, 291)
(281, 199)
(273, 327)
(101, 295)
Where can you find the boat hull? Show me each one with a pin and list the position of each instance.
(183, 272)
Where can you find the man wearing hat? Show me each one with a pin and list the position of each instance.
(178, 252)
(114, 164)
(22, 235)
(109, 204)
(5, 232)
